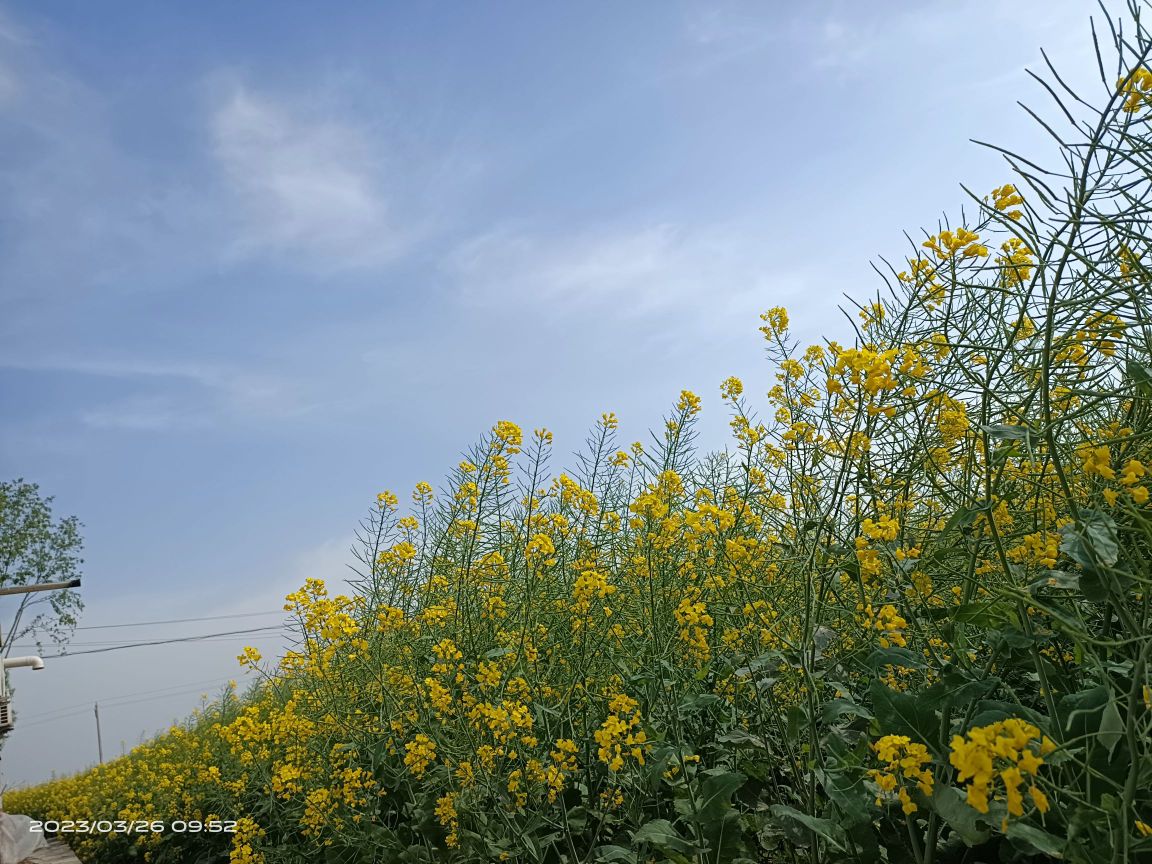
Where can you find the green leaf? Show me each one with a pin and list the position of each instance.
(742, 738)
(1010, 432)
(834, 709)
(1098, 585)
(607, 854)
(1036, 840)
(846, 789)
(993, 710)
(953, 807)
(1075, 709)
(1111, 726)
(1059, 579)
(1092, 542)
(1097, 533)
(660, 834)
(826, 828)
(537, 845)
(958, 689)
(577, 818)
(904, 712)
(700, 702)
(989, 616)
(963, 517)
(716, 793)
(1141, 377)
(895, 656)
(770, 659)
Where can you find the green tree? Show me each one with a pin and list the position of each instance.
(35, 549)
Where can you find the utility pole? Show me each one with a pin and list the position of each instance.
(99, 740)
(40, 586)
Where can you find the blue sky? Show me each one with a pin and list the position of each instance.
(260, 261)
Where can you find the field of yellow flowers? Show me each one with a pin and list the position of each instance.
(904, 617)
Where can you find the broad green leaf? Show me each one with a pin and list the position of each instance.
(742, 738)
(716, 791)
(963, 517)
(1092, 543)
(1010, 432)
(699, 702)
(1036, 840)
(834, 709)
(953, 807)
(577, 818)
(958, 690)
(1141, 376)
(661, 834)
(1092, 540)
(826, 828)
(849, 793)
(898, 712)
(895, 656)
(1076, 708)
(1111, 726)
(1058, 579)
(609, 854)
(989, 616)
(993, 710)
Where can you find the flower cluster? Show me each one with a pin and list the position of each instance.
(901, 760)
(620, 734)
(694, 624)
(1136, 86)
(1008, 750)
(887, 622)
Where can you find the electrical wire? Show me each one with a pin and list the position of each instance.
(52, 718)
(78, 708)
(125, 642)
(161, 642)
(180, 620)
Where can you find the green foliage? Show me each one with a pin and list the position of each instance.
(34, 549)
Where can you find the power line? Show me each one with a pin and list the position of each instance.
(24, 646)
(158, 692)
(110, 703)
(161, 642)
(181, 620)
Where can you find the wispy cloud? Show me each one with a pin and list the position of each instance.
(845, 40)
(10, 38)
(80, 210)
(176, 396)
(143, 414)
(633, 270)
(302, 185)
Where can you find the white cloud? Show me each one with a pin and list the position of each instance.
(142, 414)
(633, 271)
(328, 560)
(11, 41)
(841, 44)
(846, 41)
(302, 185)
(9, 86)
(192, 395)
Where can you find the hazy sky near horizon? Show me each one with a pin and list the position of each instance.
(260, 261)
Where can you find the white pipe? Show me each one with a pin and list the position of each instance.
(14, 662)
